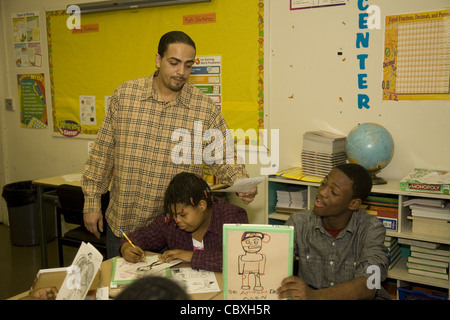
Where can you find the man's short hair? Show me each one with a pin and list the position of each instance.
(173, 37)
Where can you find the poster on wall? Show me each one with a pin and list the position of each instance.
(27, 40)
(206, 76)
(416, 56)
(33, 111)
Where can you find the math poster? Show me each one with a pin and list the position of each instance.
(206, 76)
(256, 258)
(416, 62)
(33, 111)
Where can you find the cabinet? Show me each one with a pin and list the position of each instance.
(399, 271)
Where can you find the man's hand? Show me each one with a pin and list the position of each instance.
(93, 221)
(248, 197)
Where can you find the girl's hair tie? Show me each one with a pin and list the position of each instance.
(192, 202)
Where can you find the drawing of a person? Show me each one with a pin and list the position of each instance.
(252, 262)
(85, 270)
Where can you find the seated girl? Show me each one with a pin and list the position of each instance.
(191, 228)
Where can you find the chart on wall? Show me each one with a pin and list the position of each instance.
(88, 64)
(417, 56)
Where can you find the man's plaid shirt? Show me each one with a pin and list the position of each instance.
(132, 154)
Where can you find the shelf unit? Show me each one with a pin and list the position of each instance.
(404, 225)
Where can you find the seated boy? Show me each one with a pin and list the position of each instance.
(337, 242)
(191, 228)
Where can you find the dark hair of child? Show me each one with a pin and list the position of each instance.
(153, 288)
(187, 189)
(362, 182)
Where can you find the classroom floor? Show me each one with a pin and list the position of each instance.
(19, 265)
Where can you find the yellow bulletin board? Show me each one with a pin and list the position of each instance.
(88, 64)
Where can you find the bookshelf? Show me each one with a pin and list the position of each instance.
(399, 271)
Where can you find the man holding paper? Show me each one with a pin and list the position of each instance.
(132, 153)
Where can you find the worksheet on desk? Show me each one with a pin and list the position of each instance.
(124, 272)
(196, 281)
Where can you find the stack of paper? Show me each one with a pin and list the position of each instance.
(321, 152)
(430, 217)
(427, 259)
(292, 197)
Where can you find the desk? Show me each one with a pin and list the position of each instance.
(40, 185)
(105, 279)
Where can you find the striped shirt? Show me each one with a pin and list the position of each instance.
(161, 234)
(133, 154)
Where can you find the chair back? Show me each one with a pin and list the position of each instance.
(71, 201)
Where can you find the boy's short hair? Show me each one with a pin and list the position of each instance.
(362, 181)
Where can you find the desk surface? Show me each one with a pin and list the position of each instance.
(73, 179)
(105, 279)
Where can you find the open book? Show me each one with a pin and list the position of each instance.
(81, 274)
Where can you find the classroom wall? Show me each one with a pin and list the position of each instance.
(310, 87)
(30, 154)
(307, 87)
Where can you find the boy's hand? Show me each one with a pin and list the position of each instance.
(296, 289)
(132, 254)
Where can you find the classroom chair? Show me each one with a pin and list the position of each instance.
(71, 202)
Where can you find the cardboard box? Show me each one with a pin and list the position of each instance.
(427, 180)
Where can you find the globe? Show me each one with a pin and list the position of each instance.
(371, 146)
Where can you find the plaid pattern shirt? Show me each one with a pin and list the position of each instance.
(160, 234)
(325, 261)
(133, 152)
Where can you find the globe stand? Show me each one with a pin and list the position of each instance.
(375, 179)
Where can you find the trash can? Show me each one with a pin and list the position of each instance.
(23, 210)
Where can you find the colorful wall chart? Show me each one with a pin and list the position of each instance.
(417, 56)
(33, 113)
(27, 41)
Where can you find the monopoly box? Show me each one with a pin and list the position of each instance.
(427, 180)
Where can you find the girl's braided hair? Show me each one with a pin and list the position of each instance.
(187, 189)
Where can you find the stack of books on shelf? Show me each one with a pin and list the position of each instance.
(391, 244)
(430, 216)
(321, 152)
(291, 199)
(427, 258)
(385, 207)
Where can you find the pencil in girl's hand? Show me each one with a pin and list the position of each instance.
(127, 238)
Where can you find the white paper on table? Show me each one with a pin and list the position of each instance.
(196, 281)
(81, 273)
(129, 271)
(72, 177)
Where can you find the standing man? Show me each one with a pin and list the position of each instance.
(132, 153)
